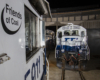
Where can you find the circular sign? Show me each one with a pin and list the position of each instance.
(11, 19)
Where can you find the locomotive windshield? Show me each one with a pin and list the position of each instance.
(71, 33)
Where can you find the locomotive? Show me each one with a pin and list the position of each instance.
(72, 41)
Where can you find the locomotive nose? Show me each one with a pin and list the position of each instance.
(71, 41)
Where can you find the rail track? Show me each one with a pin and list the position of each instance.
(81, 75)
(63, 71)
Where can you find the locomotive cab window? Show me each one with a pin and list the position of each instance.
(75, 33)
(71, 33)
(82, 34)
(67, 32)
(30, 33)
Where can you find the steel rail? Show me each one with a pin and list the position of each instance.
(81, 75)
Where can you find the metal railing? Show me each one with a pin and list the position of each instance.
(47, 66)
(63, 68)
(47, 69)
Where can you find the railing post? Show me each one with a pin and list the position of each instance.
(63, 67)
(45, 63)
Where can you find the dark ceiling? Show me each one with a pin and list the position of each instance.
(72, 3)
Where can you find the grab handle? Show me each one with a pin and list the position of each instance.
(3, 58)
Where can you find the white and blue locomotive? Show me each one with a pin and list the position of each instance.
(72, 41)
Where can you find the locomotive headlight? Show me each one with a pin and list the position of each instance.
(62, 50)
(80, 51)
(84, 39)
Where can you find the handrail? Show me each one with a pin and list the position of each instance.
(47, 70)
(63, 68)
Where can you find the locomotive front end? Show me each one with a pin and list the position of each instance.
(72, 42)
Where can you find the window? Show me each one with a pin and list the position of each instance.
(71, 33)
(30, 33)
(59, 34)
(75, 33)
(67, 32)
(43, 31)
(82, 34)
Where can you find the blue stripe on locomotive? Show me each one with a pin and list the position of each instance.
(68, 48)
(70, 38)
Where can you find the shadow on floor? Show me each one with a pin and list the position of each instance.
(93, 63)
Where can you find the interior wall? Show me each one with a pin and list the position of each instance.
(53, 28)
(94, 41)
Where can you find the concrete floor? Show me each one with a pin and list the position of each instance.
(92, 72)
(54, 71)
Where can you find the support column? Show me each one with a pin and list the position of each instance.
(56, 30)
(56, 26)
